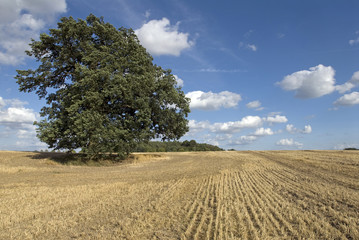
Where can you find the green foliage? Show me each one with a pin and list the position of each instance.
(351, 148)
(103, 92)
(175, 146)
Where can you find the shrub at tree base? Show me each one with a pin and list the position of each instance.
(103, 92)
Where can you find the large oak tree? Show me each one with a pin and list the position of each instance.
(103, 92)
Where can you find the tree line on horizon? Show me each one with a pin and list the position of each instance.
(175, 146)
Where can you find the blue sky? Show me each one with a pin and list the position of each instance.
(261, 75)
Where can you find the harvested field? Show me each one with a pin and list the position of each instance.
(206, 195)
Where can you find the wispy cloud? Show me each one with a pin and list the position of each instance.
(248, 46)
(252, 47)
(129, 14)
(255, 105)
(249, 33)
(354, 41)
(280, 35)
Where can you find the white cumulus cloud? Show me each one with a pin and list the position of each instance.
(213, 101)
(17, 131)
(254, 104)
(231, 127)
(43, 7)
(2, 103)
(243, 140)
(263, 132)
(348, 99)
(13, 113)
(276, 119)
(226, 127)
(319, 81)
(289, 142)
(307, 129)
(179, 81)
(159, 37)
(197, 126)
(17, 115)
(22, 20)
(291, 129)
(312, 83)
(353, 82)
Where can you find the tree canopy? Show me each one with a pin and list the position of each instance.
(103, 93)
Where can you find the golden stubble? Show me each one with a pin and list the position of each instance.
(201, 195)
